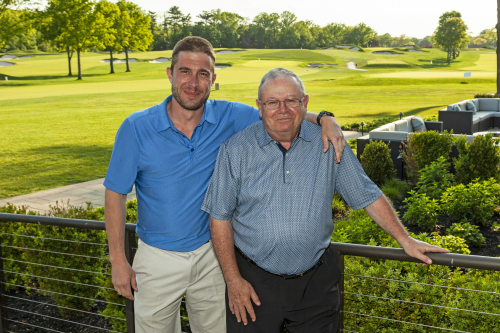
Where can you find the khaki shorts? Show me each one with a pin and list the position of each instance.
(164, 277)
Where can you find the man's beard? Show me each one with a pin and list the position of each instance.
(192, 107)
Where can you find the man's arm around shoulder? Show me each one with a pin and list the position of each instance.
(123, 276)
(239, 290)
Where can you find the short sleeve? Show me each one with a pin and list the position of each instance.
(245, 116)
(353, 184)
(123, 166)
(221, 196)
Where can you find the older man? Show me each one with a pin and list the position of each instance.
(269, 202)
(168, 151)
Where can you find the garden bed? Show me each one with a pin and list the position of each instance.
(490, 249)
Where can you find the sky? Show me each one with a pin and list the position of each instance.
(396, 17)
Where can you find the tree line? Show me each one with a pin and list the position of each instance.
(79, 25)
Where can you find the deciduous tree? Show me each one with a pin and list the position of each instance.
(451, 34)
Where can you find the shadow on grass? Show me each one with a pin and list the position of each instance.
(384, 114)
(42, 168)
(51, 77)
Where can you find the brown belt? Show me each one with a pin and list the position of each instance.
(284, 276)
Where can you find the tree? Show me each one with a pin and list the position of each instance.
(132, 28)
(479, 41)
(80, 25)
(334, 33)
(111, 13)
(360, 35)
(15, 19)
(385, 40)
(451, 34)
(288, 38)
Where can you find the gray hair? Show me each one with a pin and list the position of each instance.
(279, 71)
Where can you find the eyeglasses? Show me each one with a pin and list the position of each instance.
(275, 104)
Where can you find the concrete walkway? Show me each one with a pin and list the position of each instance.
(79, 194)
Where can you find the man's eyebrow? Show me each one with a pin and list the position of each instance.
(188, 69)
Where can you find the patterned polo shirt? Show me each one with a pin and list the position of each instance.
(280, 204)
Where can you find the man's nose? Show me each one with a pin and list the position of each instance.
(193, 80)
(282, 108)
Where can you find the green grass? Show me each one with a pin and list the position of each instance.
(55, 130)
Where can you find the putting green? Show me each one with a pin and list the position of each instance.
(486, 63)
(436, 75)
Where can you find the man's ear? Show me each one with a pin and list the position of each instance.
(259, 106)
(169, 74)
(306, 100)
(214, 76)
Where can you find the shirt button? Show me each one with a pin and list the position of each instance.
(288, 172)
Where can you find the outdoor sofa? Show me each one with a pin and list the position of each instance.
(471, 116)
(394, 134)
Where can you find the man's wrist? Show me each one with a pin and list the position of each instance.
(322, 114)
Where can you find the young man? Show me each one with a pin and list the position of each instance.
(168, 151)
(271, 217)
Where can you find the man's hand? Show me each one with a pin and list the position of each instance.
(331, 131)
(240, 292)
(416, 249)
(123, 278)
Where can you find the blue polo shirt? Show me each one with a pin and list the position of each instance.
(170, 172)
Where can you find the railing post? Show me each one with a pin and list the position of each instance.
(3, 311)
(130, 244)
(339, 258)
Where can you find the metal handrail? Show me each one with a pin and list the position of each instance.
(60, 221)
(444, 259)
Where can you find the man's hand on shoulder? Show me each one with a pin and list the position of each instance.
(416, 249)
(331, 131)
(123, 278)
(241, 295)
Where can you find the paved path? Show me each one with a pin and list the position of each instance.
(352, 65)
(79, 194)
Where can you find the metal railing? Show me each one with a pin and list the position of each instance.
(339, 249)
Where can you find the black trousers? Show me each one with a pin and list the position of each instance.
(307, 304)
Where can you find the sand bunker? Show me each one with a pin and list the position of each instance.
(228, 51)
(332, 64)
(352, 65)
(343, 45)
(8, 56)
(6, 63)
(119, 61)
(408, 47)
(24, 57)
(384, 52)
(221, 66)
(355, 48)
(159, 60)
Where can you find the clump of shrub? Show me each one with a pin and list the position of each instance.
(473, 202)
(422, 149)
(395, 189)
(338, 206)
(358, 228)
(478, 159)
(486, 95)
(377, 163)
(468, 232)
(422, 210)
(435, 178)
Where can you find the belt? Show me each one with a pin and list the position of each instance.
(284, 276)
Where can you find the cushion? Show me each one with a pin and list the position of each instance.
(488, 104)
(453, 107)
(403, 125)
(470, 106)
(418, 124)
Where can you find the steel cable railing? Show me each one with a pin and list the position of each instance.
(340, 250)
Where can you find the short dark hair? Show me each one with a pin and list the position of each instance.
(192, 44)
